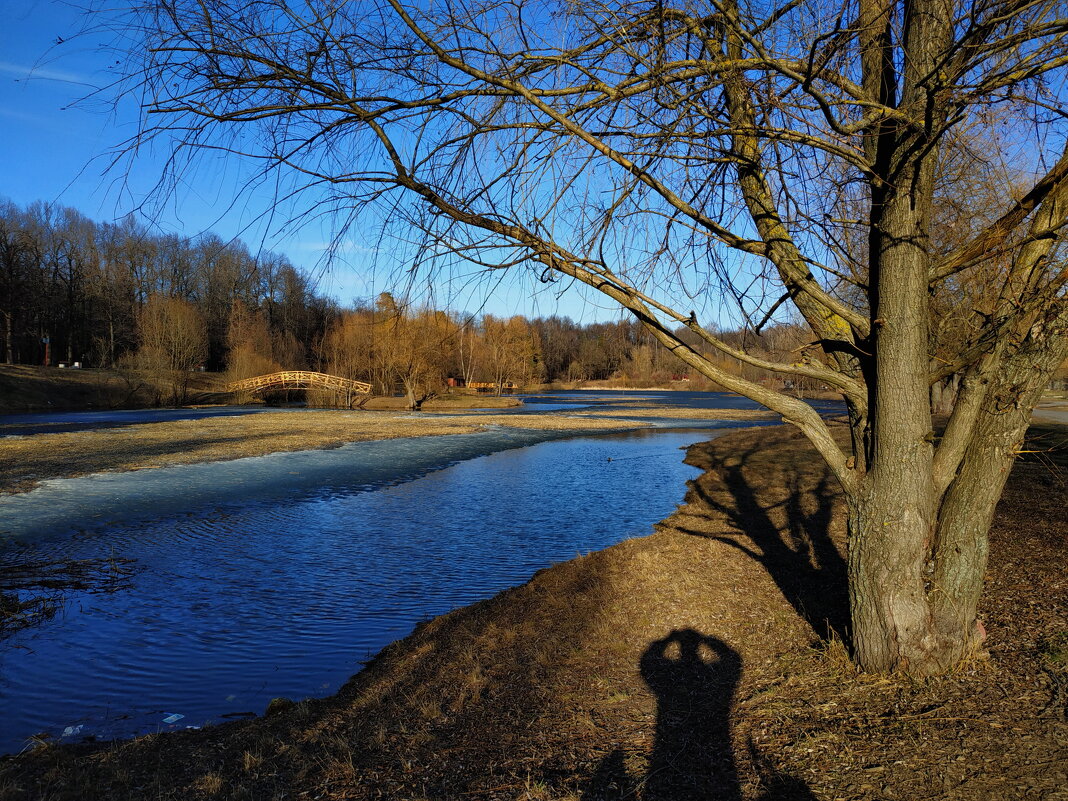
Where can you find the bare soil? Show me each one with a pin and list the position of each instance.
(701, 662)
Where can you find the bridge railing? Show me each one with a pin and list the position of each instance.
(299, 379)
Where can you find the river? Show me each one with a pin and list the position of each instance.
(279, 575)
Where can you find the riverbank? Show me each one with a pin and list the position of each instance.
(28, 388)
(28, 460)
(693, 663)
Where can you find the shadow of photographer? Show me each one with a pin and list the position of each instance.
(694, 678)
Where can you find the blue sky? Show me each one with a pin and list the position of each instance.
(55, 149)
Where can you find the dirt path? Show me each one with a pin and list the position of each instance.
(697, 663)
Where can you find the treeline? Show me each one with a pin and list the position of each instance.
(422, 350)
(81, 289)
(119, 296)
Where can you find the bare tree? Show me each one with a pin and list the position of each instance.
(347, 349)
(509, 350)
(674, 156)
(173, 342)
(251, 349)
(19, 253)
(413, 347)
(468, 349)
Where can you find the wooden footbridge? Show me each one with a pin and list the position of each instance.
(299, 379)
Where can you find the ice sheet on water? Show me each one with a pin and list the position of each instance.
(58, 506)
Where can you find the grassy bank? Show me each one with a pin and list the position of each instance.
(24, 388)
(25, 461)
(698, 662)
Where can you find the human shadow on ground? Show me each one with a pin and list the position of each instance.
(800, 557)
(694, 678)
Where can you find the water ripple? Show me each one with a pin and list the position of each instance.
(287, 588)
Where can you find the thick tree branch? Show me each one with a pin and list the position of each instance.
(995, 235)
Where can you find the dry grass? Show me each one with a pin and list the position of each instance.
(25, 387)
(210, 784)
(697, 663)
(24, 461)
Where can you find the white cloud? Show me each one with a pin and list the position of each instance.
(25, 73)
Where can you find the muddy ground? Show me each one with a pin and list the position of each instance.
(702, 662)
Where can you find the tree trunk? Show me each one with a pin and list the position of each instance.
(892, 514)
(960, 550)
(888, 605)
(111, 342)
(961, 545)
(890, 524)
(917, 561)
(9, 355)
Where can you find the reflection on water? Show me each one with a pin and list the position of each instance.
(325, 560)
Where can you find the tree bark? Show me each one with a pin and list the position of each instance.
(961, 546)
(893, 513)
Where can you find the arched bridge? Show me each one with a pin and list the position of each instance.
(299, 379)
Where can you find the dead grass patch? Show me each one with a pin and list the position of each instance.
(25, 461)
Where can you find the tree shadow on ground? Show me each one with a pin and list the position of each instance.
(694, 678)
(799, 553)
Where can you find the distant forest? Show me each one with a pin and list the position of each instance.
(116, 295)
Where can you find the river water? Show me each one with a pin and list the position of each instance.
(279, 575)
